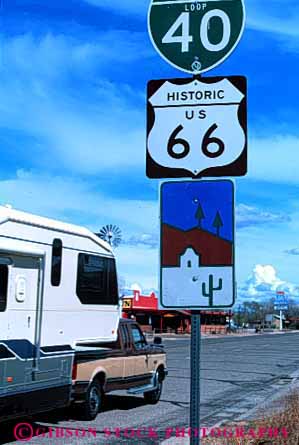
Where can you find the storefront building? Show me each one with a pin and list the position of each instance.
(144, 309)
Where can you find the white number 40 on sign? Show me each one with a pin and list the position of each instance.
(183, 22)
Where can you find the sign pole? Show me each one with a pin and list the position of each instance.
(280, 320)
(195, 379)
(195, 372)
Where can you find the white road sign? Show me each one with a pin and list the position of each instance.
(197, 126)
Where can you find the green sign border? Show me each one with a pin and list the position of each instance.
(179, 67)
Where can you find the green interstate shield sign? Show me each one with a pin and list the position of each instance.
(195, 36)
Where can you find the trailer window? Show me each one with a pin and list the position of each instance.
(112, 281)
(3, 287)
(96, 280)
(56, 262)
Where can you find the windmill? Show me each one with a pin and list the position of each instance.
(111, 234)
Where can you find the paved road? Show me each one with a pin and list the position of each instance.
(236, 374)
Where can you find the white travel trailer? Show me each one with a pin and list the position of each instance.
(58, 289)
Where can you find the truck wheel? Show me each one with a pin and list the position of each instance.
(92, 403)
(153, 397)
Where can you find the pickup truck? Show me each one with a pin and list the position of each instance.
(129, 363)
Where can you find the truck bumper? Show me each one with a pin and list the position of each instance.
(79, 390)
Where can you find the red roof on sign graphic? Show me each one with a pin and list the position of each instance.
(213, 250)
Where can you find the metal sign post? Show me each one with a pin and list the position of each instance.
(195, 379)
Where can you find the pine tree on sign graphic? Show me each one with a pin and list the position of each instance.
(217, 223)
(199, 215)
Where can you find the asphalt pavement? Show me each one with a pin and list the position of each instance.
(237, 373)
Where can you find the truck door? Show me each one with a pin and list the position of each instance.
(140, 351)
(129, 359)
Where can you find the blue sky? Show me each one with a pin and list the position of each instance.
(72, 129)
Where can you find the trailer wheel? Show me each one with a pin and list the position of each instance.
(93, 402)
(153, 397)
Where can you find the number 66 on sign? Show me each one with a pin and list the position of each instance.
(197, 127)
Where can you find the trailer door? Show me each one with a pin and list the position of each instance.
(20, 316)
(24, 304)
(33, 379)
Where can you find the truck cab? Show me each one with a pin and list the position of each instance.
(129, 363)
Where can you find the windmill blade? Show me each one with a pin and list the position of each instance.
(111, 234)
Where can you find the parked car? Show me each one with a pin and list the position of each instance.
(231, 327)
(129, 363)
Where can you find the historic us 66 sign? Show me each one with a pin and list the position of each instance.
(194, 35)
(197, 127)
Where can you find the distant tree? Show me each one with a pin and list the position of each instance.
(293, 310)
(250, 312)
(253, 311)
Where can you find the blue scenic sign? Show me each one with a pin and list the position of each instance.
(281, 301)
(197, 244)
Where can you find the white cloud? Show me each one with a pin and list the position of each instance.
(139, 264)
(99, 127)
(59, 197)
(277, 18)
(145, 239)
(136, 286)
(246, 216)
(251, 216)
(87, 131)
(135, 7)
(274, 159)
(55, 55)
(263, 283)
(74, 200)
